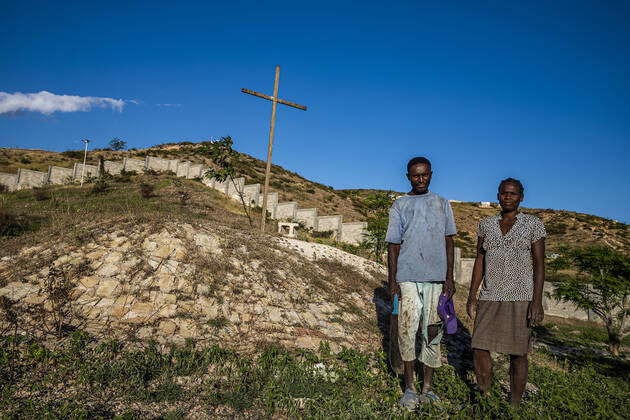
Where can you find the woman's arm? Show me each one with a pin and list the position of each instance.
(535, 314)
(477, 277)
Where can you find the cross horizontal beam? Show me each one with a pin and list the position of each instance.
(271, 98)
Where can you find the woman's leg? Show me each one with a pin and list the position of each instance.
(483, 368)
(518, 377)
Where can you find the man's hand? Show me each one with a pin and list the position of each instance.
(449, 288)
(535, 313)
(394, 289)
(471, 306)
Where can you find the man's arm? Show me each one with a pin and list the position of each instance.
(535, 314)
(449, 283)
(392, 266)
(477, 277)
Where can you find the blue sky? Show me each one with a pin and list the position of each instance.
(534, 90)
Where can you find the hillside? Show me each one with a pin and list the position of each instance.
(564, 227)
(151, 296)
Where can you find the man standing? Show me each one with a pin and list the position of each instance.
(420, 268)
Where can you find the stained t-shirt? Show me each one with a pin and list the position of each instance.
(419, 224)
(509, 274)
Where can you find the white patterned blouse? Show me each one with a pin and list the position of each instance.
(508, 274)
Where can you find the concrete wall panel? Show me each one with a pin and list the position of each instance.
(182, 169)
(90, 170)
(9, 181)
(172, 165)
(194, 171)
(251, 194)
(57, 175)
(157, 164)
(272, 203)
(29, 179)
(222, 186)
(330, 223)
(308, 217)
(233, 188)
(353, 233)
(135, 165)
(113, 168)
(286, 210)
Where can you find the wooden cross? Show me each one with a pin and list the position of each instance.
(274, 100)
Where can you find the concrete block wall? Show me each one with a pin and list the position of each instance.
(90, 170)
(172, 165)
(30, 179)
(347, 232)
(134, 165)
(286, 210)
(353, 233)
(235, 188)
(272, 203)
(330, 223)
(9, 181)
(113, 168)
(57, 175)
(251, 194)
(222, 186)
(196, 170)
(182, 169)
(308, 217)
(157, 164)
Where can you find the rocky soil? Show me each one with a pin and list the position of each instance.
(204, 282)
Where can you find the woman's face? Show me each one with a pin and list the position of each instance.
(509, 196)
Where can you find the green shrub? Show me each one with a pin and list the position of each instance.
(73, 154)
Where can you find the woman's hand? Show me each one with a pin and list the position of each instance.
(535, 313)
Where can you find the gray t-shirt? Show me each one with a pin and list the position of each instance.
(419, 223)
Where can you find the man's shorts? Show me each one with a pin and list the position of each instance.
(418, 307)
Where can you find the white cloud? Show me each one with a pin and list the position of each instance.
(171, 105)
(47, 103)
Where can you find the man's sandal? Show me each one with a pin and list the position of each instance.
(409, 400)
(429, 397)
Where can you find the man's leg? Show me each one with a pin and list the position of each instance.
(483, 368)
(432, 329)
(428, 370)
(408, 321)
(518, 377)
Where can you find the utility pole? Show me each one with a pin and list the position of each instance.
(85, 141)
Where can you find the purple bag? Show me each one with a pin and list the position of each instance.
(446, 310)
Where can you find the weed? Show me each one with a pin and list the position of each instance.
(146, 190)
(41, 193)
(16, 225)
(218, 322)
(100, 186)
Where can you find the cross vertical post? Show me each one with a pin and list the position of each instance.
(274, 102)
(272, 126)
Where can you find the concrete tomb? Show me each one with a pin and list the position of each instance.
(288, 229)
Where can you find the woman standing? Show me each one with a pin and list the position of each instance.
(511, 263)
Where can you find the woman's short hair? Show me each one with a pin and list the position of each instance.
(516, 182)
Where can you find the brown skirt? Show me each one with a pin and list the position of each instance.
(502, 327)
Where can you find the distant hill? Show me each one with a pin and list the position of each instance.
(564, 227)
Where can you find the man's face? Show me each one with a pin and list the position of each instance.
(509, 197)
(420, 177)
